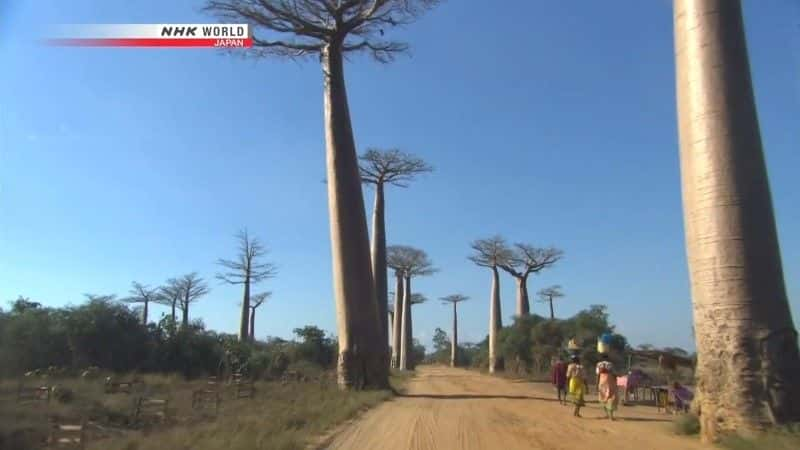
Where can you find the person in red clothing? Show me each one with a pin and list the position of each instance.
(559, 379)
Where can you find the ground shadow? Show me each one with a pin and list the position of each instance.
(640, 419)
(478, 396)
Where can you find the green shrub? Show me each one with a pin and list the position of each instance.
(687, 424)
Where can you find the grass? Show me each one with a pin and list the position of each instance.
(786, 438)
(281, 416)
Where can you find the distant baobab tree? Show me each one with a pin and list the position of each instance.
(247, 270)
(169, 295)
(329, 30)
(524, 260)
(143, 294)
(416, 299)
(397, 318)
(548, 294)
(747, 349)
(381, 168)
(192, 287)
(256, 300)
(454, 299)
(100, 297)
(410, 262)
(491, 252)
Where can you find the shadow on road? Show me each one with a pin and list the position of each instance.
(478, 396)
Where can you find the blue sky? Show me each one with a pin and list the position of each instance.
(548, 122)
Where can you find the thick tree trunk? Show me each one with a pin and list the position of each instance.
(454, 341)
(362, 356)
(378, 252)
(185, 314)
(173, 311)
(523, 303)
(397, 334)
(495, 323)
(748, 359)
(552, 315)
(144, 313)
(391, 329)
(244, 321)
(411, 363)
(252, 332)
(405, 332)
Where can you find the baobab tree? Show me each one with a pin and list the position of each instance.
(408, 328)
(409, 262)
(255, 301)
(140, 293)
(491, 252)
(247, 270)
(170, 295)
(454, 299)
(397, 318)
(381, 168)
(747, 352)
(548, 294)
(330, 29)
(192, 287)
(523, 261)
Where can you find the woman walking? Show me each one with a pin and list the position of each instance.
(559, 379)
(577, 384)
(607, 386)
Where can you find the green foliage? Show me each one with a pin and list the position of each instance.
(110, 335)
(441, 342)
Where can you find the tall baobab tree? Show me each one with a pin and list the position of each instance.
(330, 29)
(523, 261)
(409, 262)
(192, 287)
(408, 328)
(140, 293)
(170, 295)
(747, 352)
(381, 168)
(454, 299)
(492, 252)
(397, 319)
(247, 270)
(548, 294)
(255, 301)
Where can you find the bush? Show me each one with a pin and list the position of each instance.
(687, 424)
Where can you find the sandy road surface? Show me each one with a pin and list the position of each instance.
(453, 409)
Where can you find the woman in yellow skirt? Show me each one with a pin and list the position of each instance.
(577, 384)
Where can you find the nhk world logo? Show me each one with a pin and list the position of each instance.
(152, 35)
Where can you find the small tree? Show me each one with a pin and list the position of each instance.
(192, 287)
(140, 293)
(246, 270)
(491, 253)
(256, 300)
(523, 261)
(381, 168)
(548, 294)
(454, 299)
(330, 30)
(409, 262)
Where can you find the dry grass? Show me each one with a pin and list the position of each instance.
(787, 438)
(281, 416)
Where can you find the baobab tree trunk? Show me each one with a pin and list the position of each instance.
(185, 313)
(173, 311)
(244, 321)
(747, 361)
(495, 323)
(411, 363)
(362, 356)
(523, 303)
(378, 252)
(397, 334)
(144, 313)
(552, 315)
(252, 333)
(391, 321)
(405, 333)
(454, 341)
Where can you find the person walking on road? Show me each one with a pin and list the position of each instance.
(559, 379)
(577, 384)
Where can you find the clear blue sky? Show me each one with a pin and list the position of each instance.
(548, 122)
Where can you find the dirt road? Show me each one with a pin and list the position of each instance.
(453, 409)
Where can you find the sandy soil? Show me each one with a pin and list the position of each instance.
(451, 409)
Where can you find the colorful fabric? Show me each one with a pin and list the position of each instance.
(607, 394)
(577, 390)
(559, 375)
(604, 365)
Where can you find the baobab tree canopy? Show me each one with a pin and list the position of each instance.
(411, 261)
(298, 28)
(391, 167)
